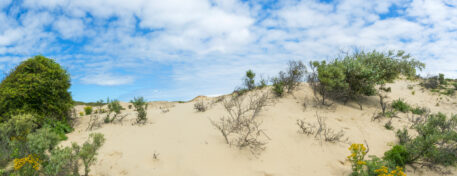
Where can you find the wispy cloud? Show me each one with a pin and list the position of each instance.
(106, 80)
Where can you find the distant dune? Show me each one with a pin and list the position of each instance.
(179, 141)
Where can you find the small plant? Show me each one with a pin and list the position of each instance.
(200, 106)
(401, 106)
(130, 106)
(240, 127)
(249, 81)
(278, 87)
(419, 110)
(397, 155)
(88, 110)
(357, 157)
(388, 125)
(410, 87)
(320, 131)
(81, 114)
(114, 106)
(140, 106)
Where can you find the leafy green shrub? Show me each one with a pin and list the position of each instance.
(113, 106)
(130, 106)
(388, 125)
(278, 87)
(249, 81)
(38, 85)
(88, 110)
(88, 151)
(81, 113)
(140, 107)
(401, 106)
(397, 155)
(357, 75)
(59, 128)
(435, 141)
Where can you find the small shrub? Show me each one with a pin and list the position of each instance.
(388, 125)
(88, 110)
(140, 106)
(320, 131)
(400, 105)
(449, 92)
(278, 87)
(130, 106)
(249, 81)
(113, 106)
(397, 155)
(431, 82)
(240, 127)
(200, 106)
(81, 113)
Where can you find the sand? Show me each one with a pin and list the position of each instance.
(186, 144)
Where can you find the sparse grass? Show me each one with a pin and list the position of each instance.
(419, 110)
(401, 105)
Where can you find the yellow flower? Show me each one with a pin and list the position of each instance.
(361, 162)
(33, 160)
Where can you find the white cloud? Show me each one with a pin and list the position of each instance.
(104, 79)
(69, 28)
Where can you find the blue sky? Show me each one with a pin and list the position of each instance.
(179, 49)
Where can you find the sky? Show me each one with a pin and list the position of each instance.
(179, 49)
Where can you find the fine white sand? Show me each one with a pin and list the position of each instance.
(188, 145)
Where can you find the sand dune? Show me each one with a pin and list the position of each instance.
(186, 144)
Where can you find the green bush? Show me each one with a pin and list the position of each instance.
(38, 85)
(88, 110)
(435, 142)
(442, 79)
(114, 106)
(401, 106)
(397, 155)
(357, 75)
(249, 81)
(278, 87)
(140, 106)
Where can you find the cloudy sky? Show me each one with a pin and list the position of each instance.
(178, 49)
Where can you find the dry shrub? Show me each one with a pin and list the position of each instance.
(240, 127)
(320, 131)
(200, 106)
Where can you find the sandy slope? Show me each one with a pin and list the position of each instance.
(188, 145)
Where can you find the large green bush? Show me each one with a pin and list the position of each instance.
(38, 85)
(358, 74)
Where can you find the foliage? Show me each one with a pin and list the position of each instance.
(397, 155)
(89, 149)
(294, 74)
(249, 81)
(441, 79)
(140, 106)
(372, 167)
(278, 87)
(88, 110)
(38, 85)
(200, 106)
(435, 142)
(357, 75)
(59, 128)
(401, 106)
(113, 106)
(240, 127)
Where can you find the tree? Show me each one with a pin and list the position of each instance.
(38, 85)
(331, 79)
